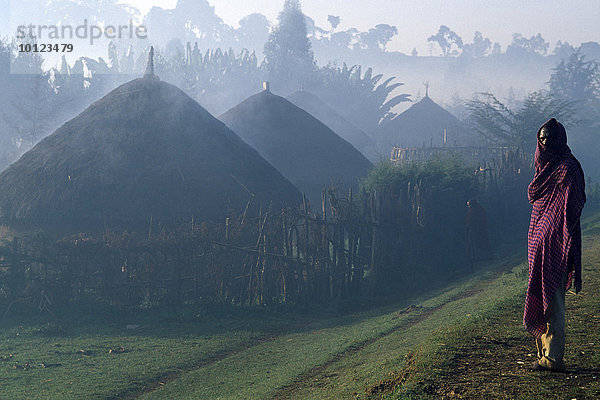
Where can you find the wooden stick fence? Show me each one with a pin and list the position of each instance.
(279, 256)
(352, 246)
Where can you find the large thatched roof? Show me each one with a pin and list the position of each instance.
(144, 150)
(340, 125)
(305, 150)
(423, 124)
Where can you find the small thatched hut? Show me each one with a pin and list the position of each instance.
(425, 123)
(304, 149)
(146, 150)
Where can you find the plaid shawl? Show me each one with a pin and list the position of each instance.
(557, 194)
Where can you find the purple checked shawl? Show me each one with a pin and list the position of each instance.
(557, 194)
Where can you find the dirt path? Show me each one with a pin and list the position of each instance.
(492, 358)
(494, 362)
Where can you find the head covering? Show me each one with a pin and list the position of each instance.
(547, 157)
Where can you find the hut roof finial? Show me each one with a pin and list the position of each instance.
(150, 66)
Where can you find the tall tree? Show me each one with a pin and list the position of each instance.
(534, 45)
(496, 48)
(576, 79)
(190, 20)
(360, 97)
(334, 21)
(288, 53)
(449, 41)
(479, 48)
(563, 50)
(253, 31)
(344, 38)
(378, 37)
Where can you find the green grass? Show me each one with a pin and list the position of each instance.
(378, 361)
(432, 358)
(69, 357)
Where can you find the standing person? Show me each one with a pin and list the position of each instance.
(478, 245)
(557, 194)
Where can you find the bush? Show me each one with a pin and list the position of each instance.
(421, 216)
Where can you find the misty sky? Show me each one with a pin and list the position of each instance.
(573, 21)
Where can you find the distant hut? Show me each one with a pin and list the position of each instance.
(340, 125)
(304, 149)
(144, 151)
(424, 123)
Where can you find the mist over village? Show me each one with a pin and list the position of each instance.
(203, 199)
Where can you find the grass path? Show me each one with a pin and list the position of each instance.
(334, 358)
(354, 375)
(332, 367)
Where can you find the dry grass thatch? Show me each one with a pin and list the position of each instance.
(305, 150)
(144, 150)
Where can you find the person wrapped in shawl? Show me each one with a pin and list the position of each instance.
(557, 194)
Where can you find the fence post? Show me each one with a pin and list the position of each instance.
(375, 216)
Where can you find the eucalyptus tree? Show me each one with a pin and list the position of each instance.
(448, 40)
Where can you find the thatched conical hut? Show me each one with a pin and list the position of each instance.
(304, 149)
(425, 123)
(322, 111)
(145, 150)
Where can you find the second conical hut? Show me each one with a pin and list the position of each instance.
(146, 151)
(305, 150)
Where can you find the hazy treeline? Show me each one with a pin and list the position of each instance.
(293, 55)
(466, 65)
